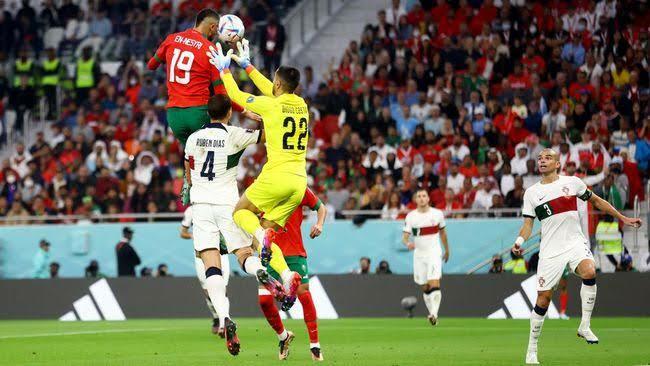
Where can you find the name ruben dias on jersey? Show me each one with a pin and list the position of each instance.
(210, 143)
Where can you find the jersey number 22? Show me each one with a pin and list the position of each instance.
(291, 124)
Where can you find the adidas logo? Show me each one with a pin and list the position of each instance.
(516, 306)
(99, 305)
(322, 302)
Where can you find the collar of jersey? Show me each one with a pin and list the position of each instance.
(215, 125)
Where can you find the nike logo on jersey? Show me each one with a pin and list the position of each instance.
(541, 198)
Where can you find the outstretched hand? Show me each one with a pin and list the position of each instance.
(243, 57)
(632, 221)
(217, 58)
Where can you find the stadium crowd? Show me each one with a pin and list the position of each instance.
(456, 97)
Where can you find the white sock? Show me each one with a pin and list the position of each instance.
(282, 336)
(252, 265)
(536, 322)
(312, 345)
(428, 301)
(211, 308)
(436, 296)
(588, 296)
(259, 235)
(216, 286)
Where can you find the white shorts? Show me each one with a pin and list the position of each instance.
(427, 268)
(549, 270)
(200, 269)
(210, 221)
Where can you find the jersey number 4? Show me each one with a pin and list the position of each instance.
(290, 123)
(208, 166)
(181, 60)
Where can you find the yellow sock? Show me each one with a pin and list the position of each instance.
(247, 220)
(277, 260)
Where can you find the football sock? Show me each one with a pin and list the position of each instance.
(309, 314)
(564, 299)
(536, 322)
(248, 221)
(271, 313)
(215, 284)
(211, 308)
(588, 296)
(432, 299)
(252, 264)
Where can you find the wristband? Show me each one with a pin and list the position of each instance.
(520, 240)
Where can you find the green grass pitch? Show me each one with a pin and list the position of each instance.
(356, 342)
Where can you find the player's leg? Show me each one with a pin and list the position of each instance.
(183, 122)
(549, 272)
(564, 294)
(207, 243)
(272, 315)
(299, 265)
(586, 269)
(200, 274)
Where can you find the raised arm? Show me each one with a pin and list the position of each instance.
(607, 208)
(243, 58)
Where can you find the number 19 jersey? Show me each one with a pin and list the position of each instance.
(555, 205)
(189, 72)
(213, 154)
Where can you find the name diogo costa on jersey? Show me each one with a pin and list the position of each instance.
(563, 242)
(213, 154)
(427, 256)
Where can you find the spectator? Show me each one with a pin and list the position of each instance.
(86, 75)
(516, 265)
(145, 272)
(497, 264)
(364, 266)
(92, 270)
(41, 261)
(127, 258)
(54, 269)
(272, 43)
(163, 271)
(383, 268)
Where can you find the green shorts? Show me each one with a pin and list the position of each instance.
(566, 273)
(297, 264)
(184, 121)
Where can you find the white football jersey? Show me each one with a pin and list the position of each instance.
(425, 228)
(213, 153)
(556, 205)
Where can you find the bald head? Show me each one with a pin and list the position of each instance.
(548, 151)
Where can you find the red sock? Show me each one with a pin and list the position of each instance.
(309, 314)
(267, 303)
(564, 298)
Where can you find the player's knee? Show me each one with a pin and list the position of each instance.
(589, 273)
(269, 224)
(242, 254)
(543, 299)
(303, 288)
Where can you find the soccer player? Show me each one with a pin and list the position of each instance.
(186, 223)
(211, 158)
(427, 225)
(290, 242)
(554, 202)
(280, 187)
(190, 77)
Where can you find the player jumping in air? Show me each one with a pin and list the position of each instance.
(280, 187)
(211, 158)
(427, 225)
(200, 269)
(190, 78)
(290, 242)
(554, 202)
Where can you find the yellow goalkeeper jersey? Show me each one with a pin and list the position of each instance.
(286, 121)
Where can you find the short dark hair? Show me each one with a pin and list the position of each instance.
(290, 77)
(218, 106)
(204, 14)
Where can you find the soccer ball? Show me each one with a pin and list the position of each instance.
(231, 28)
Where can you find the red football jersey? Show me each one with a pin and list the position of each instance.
(189, 72)
(290, 240)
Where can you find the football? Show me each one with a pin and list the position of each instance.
(231, 28)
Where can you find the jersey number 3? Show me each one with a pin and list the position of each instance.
(208, 166)
(181, 60)
(291, 124)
